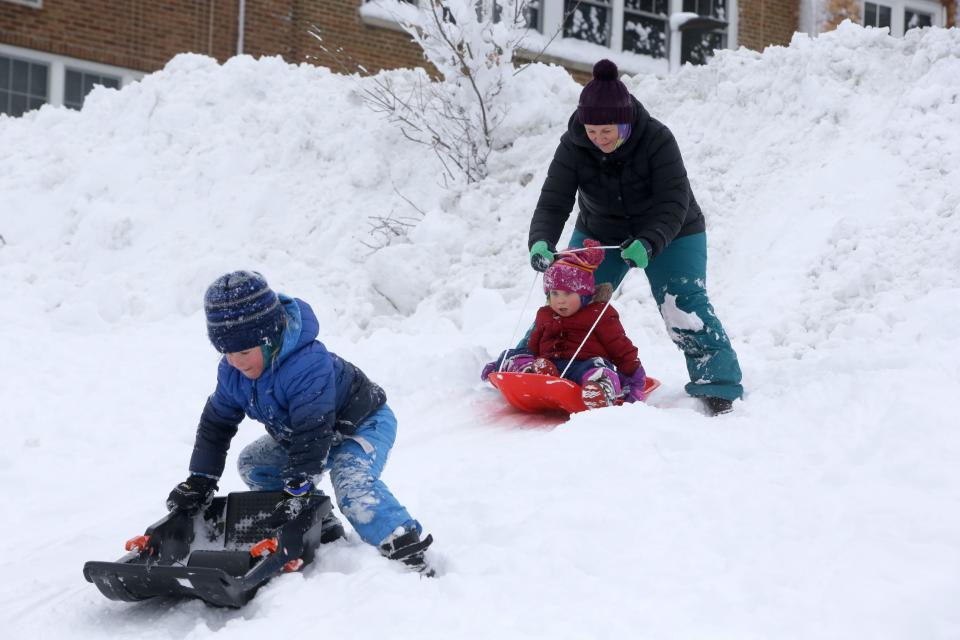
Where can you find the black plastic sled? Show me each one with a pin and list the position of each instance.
(221, 556)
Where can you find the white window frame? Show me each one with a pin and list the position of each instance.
(57, 75)
(33, 4)
(899, 7)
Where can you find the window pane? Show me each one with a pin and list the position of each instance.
(78, 84)
(644, 35)
(72, 89)
(885, 13)
(658, 7)
(23, 85)
(21, 71)
(913, 19)
(697, 47)
(88, 83)
(18, 105)
(718, 9)
(708, 8)
(38, 80)
(590, 22)
(870, 15)
(531, 12)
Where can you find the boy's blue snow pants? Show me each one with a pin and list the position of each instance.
(355, 465)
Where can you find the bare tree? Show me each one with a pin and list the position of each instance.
(471, 44)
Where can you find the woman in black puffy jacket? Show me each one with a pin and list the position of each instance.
(625, 171)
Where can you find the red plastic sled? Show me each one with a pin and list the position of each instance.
(534, 392)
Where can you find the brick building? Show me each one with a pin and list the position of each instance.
(55, 51)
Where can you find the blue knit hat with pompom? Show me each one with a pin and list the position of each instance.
(242, 312)
(605, 100)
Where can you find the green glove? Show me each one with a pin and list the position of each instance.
(635, 253)
(541, 256)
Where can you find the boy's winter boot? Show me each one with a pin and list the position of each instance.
(407, 547)
(600, 388)
(717, 406)
(544, 367)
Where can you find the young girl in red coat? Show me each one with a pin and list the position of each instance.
(606, 367)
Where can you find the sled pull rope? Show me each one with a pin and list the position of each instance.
(612, 246)
(513, 338)
(594, 326)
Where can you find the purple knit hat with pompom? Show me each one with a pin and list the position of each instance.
(574, 271)
(605, 100)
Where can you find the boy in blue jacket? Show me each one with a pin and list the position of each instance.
(320, 412)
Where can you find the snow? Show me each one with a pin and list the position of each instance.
(681, 18)
(826, 506)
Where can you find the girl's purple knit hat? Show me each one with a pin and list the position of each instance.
(574, 271)
(605, 100)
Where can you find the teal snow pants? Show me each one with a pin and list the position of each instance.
(678, 279)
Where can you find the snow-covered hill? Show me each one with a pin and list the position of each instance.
(826, 506)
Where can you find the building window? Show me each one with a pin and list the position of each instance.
(588, 20)
(916, 19)
(23, 85)
(876, 15)
(78, 84)
(645, 27)
(902, 15)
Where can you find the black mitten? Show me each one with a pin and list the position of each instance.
(192, 494)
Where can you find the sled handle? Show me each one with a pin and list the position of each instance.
(579, 249)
